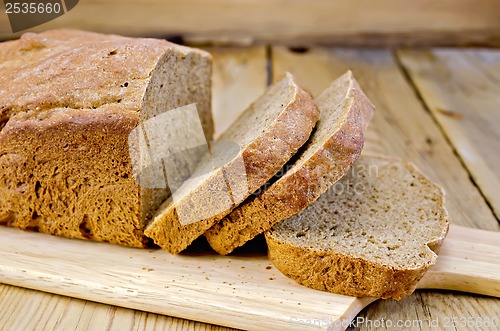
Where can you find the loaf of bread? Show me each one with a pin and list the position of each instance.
(68, 102)
(266, 136)
(334, 146)
(375, 233)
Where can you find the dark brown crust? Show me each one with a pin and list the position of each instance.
(300, 187)
(330, 271)
(336, 273)
(261, 162)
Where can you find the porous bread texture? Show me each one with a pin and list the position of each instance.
(375, 233)
(334, 146)
(268, 133)
(68, 101)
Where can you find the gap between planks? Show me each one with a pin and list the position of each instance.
(461, 90)
(423, 102)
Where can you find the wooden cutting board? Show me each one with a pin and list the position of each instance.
(243, 291)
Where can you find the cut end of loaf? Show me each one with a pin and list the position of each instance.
(374, 233)
(67, 141)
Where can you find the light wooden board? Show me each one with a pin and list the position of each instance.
(23, 309)
(400, 127)
(462, 90)
(238, 291)
(242, 291)
(294, 21)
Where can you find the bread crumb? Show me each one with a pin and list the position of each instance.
(450, 113)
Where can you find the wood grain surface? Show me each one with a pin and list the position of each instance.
(362, 22)
(45, 311)
(402, 126)
(462, 90)
(239, 291)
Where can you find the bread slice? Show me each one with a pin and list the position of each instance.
(374, 233)
(69, 101)
(333, 147)
(268, 133)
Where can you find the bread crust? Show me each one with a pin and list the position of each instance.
(68, 101)
(302, 185)
(263, 157)
(346, 274)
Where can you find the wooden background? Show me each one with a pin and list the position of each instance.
(297, 22)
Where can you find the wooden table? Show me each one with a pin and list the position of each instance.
(439, 108)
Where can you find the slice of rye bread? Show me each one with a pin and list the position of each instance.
(268, 134)
(333, 147)
(375, 233)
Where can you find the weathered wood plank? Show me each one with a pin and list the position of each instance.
(296, 21)
(462, 90)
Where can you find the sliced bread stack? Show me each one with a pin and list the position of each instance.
(374, 232)
(267, 134)
(333, 147)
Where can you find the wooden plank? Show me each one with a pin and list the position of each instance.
(240, 77)
(23, 309)
(462, 90)
(297, 21)
(401, 127)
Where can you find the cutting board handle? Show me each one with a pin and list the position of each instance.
(468, 261)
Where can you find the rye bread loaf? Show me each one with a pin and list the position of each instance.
(334, 146)
(375, 233)
(268, 133)
(68, 101)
